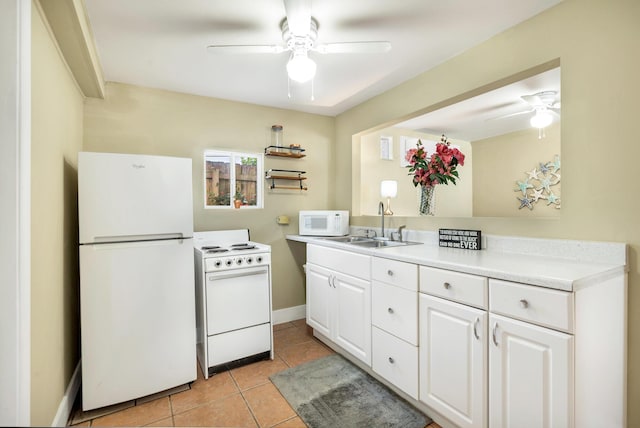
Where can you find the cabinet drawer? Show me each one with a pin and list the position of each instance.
(402, 274)
(459, 287)
(395, 310)
(353, 264)
(538, 305)
(396, 361)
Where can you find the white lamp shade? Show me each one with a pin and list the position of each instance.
(301, 68)
(541, 119)
(388, 188)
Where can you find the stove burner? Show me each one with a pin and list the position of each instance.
(216, 250)
(242, 247)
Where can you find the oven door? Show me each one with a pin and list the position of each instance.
(237, 298)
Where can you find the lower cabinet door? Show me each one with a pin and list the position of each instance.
(531, 381)
(352, 307)
(319, 298)
(453, 360)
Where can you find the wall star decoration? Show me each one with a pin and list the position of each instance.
(538, 185)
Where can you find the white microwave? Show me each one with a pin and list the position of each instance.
(324, 223)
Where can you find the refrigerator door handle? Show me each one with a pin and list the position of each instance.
(136, 238)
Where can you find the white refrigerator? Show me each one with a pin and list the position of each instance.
(137, 297)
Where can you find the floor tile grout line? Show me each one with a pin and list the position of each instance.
(253, 415)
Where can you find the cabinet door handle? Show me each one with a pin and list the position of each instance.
(493, 334)
(524, 304)
(447, 285)
(475, 328)
(333, 282)
(390, 272)
(391, 360)
(390, 310)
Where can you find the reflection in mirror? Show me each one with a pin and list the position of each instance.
(511, 167)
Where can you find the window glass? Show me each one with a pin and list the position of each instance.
(237, 187)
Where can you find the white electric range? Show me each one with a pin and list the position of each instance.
(233, 300)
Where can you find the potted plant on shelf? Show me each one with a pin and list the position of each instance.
(238, 198)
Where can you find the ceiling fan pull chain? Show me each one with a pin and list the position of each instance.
(312, 86)
(288, 87)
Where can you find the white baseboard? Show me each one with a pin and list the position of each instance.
(66, 404)
(289, 314)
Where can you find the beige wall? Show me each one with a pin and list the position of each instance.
(142, 120)
(55, 141)
(502, 161)
(597, 43)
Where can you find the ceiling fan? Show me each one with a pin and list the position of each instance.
(299, 36)
(544, 104)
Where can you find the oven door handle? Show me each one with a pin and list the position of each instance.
(234, 273)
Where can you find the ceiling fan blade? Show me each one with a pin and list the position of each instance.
(298, 16)
(245, 49)
(504, 116)
(354, 47)
(534, 100)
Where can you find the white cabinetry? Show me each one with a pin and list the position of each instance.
(453, 346)
(531, 375)
(339, 298)
(531, 366)
(395, 323)
(545, 346)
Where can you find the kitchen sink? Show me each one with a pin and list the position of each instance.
(372, 243)
(348, 239)
(364, 242)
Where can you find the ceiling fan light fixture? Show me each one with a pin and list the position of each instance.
(301, 68)
(541, 119)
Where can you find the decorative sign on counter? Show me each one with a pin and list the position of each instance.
(457, 238)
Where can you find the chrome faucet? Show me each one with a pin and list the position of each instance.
(381, 212)
(400, 232)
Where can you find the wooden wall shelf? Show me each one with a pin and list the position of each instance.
(286, 152)
(285, 174)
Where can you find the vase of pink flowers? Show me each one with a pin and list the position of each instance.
(429, 170)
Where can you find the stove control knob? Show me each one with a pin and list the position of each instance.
(239, 261)
(218, 263)
(258, 259)
(228, 262)
(249, 260)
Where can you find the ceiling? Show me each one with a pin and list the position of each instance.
(162, 44)
(483, 116)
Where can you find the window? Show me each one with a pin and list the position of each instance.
(233, 179)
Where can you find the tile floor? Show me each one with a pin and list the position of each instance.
(241, 397)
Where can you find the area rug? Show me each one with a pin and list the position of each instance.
(332, 392)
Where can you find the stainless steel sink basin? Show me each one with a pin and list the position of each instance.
(348, 239)
(364, 242)
(384, 244)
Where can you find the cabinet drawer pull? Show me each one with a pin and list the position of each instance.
(390, 272)
(391, 360)
(493, 333)
(524, 304)
(447, 285)
(390, 310)
(475, 328)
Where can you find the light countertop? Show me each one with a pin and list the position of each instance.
(546, 271)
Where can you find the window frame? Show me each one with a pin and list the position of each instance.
(235, 155)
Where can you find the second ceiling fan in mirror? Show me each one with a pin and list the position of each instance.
(544, 105)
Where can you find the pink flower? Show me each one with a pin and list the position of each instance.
(435, 168)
